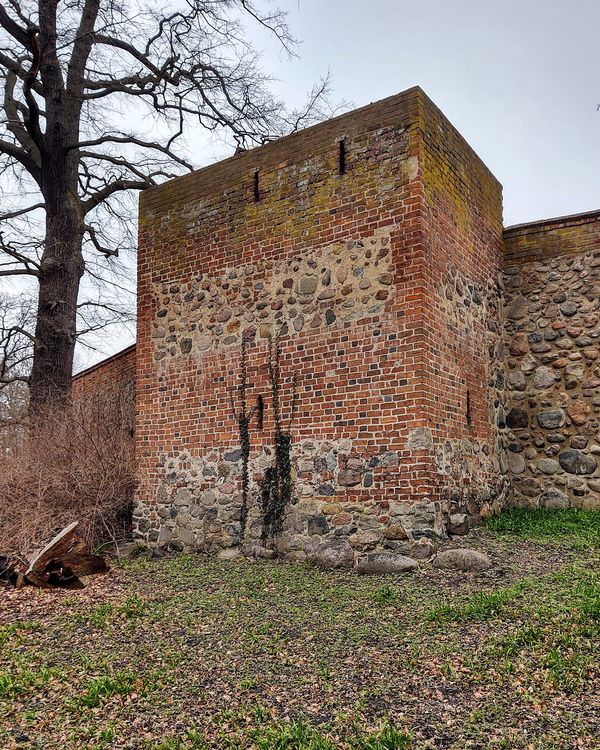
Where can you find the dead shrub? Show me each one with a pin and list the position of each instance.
(77, 464)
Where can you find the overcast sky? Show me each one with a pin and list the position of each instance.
(519, 79)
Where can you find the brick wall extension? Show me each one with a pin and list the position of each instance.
(552, 293)
(375, 264)
(107, 390)
(116, 372)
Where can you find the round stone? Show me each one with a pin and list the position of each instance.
(576, 462)
(517, 418)
(336, 553)
(518, 308)
(551, 420)
(307, 284)
(385, 563)
(543, 378)
(554, 498)
(579, 412)
(462, 559)
(548, 465)
(517, 381)
(568, 309)
(516, 463)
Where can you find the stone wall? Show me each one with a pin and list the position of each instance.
(379, 281)
(552, 296)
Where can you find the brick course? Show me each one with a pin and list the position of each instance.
(116, 372)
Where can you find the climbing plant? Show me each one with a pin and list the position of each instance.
(276, 491)
(276, 487)
(243, 417)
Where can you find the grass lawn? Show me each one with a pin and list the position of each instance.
(190, 652)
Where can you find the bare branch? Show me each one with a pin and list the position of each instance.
(118, 185)
(82, 47)
(106, 251)
(19, 272)
(32, 120)
(21, 211)
(10, 149)
(125, 139)
(16, 31)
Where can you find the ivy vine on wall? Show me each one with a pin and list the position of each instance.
(276, 486)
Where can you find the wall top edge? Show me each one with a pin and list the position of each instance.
(548, 225)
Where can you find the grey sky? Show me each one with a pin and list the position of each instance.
(519, 79)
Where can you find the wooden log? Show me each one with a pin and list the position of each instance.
(62, 561)
(84, 564)
(57, 545)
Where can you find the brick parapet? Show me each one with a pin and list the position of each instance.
(565, 235)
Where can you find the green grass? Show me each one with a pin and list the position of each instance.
(193, 653)
(191, 741)
(590, 601)
(386, 738)
(296, 735)
(23, 678)
(579, 529)
(386, 595)
(134, 606)
(479, 606)
(9, 632)
(103, 688)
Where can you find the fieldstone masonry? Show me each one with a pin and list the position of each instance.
(442, 367)
(339, 283)
(552, 314)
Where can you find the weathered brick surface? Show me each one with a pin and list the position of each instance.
(462, 262)
(552, 291)
(114, 373)
(383, 285)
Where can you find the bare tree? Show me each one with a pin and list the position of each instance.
(76, 73)
(16, 324)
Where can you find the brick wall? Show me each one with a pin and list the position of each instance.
(378, 282)
(107, 391)
(552, 292)
(114, 373)
(462, 262)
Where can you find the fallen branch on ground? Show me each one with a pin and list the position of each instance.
(65, 562)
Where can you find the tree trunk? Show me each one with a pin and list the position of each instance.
(62, 267)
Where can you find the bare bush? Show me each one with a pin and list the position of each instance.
(79, 466)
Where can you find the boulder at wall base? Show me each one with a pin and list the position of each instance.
(554, 498)
(385, 563)
(458, 523)
(229, 553)
(462, 559)
(336, 553)
(424, 519)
